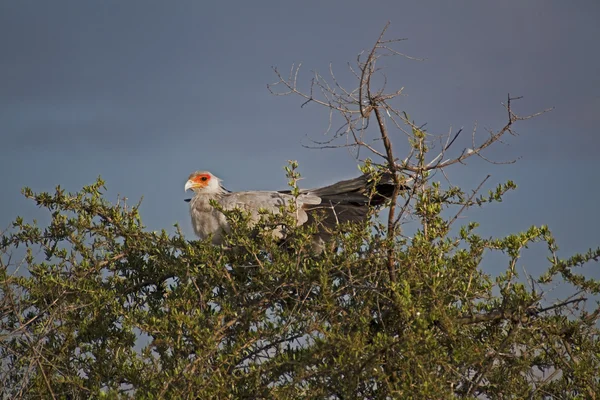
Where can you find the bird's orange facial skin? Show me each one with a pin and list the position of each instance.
(200, 180)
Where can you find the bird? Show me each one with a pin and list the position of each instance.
(338, 203)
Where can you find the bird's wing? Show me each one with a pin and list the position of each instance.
(255, 201)
(357, 191)
(347, 201)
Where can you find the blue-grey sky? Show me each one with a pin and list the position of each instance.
(144, 92)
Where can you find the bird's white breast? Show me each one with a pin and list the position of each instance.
(206, 220)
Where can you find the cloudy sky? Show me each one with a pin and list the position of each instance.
(145, 92)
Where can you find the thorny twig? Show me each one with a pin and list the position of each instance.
(357, 106)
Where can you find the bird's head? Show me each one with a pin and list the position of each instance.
(203, 182)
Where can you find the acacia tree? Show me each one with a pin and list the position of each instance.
(94, 305)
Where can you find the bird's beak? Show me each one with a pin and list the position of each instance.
(189, 185)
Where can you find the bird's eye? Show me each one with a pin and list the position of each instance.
(204, 178)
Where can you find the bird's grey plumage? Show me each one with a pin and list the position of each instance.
(338, 203)
(207, 220)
